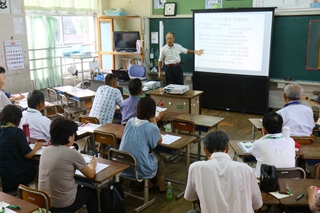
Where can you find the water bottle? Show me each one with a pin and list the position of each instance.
(26, 131)
(286, 132)
(169, 192)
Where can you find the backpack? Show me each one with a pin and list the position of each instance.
(268, 178)
(112, 198)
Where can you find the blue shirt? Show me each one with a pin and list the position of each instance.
(139, 138)
(129, 108)
(105, 102)
(13, 164)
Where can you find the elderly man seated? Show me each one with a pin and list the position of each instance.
(295, 115)
(220, 184)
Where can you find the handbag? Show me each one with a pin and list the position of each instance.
(112, 198)
(268, 178)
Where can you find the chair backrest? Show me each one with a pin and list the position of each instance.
(87, 119)
(137, 71)
(124, 157)
(52, 94)
(35, 196)
(183, 125)
(302, 139)
(105, 138)
(294, 172)
(64, 101)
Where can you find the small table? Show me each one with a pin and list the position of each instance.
(25, 206)
(256, 126)
(63, 89)
(84, 98)
(189, 102)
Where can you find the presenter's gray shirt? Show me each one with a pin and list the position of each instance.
(56, 174)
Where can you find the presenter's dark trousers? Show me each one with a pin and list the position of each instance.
(174, 75)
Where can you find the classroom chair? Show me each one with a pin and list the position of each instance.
(294, 172)
(106, 141)
(303, 139)
(188, 128)
(35, 196)
(70, 112)
(127, 158)
(316, 171)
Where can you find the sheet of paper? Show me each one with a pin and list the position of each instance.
(4, 204)
(99, 168)
(39, 152)
(154, 37)
(245, 146)
(87, 128)
(18, 26)
(169, 139)
(278, 195)
(16, 7)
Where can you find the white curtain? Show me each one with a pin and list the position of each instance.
(41, 34)
(71, 6)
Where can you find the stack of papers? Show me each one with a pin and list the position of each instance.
(99, 168)
(87, 128)
(159, 109)
(245, 146)
(278, 195)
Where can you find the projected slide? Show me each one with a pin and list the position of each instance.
(233, 43)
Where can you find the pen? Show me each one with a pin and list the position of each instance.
(299, 197)
(288, 190)
(13, 207)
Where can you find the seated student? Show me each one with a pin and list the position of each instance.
(129, 105)
(273, 148)
(106, 99)
(295, 115)
(221, 184)
(141, 135)
(14, 151)
(12, 98)
(57, 169)
(39, 125)
(4, 100)
(313, 199)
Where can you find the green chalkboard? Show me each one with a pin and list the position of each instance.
(183, 30)
(289, 45)
(186, 6)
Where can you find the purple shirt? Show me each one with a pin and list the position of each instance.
(129, 108)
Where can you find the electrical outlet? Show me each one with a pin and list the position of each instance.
(316, 92)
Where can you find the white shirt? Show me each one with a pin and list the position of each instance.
(4, 100)
(39, 125)
(171, 55)
(223, 185)
(274, 149)
(299, 118)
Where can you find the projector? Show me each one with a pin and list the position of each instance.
(176, 89)
(151, 84)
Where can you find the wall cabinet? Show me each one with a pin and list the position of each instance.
(108, 57)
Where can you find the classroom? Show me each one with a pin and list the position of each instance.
(61, 62)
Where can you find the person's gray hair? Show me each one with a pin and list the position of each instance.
(216, 141)
(293, 91)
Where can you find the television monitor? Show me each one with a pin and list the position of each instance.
(125, 41)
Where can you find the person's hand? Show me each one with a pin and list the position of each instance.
(311, 191)
(160, 74)
(93, 163)
(160, 114)
(37, 146)
(20, 97)
(198, 52)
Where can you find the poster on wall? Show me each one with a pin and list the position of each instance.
(213, 4)
(4, 7)
(14, 54)
(158, 4)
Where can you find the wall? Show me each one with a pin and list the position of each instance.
(17, 80)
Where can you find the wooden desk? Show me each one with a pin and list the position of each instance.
(238, 151)
(297, 187)
(256, 126)
(25, 206)
(84, 98)
(310, 151)
(269, 199)
(112, 170)
(63, 89)
(189, 102)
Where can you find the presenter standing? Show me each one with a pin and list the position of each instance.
(170, 55)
